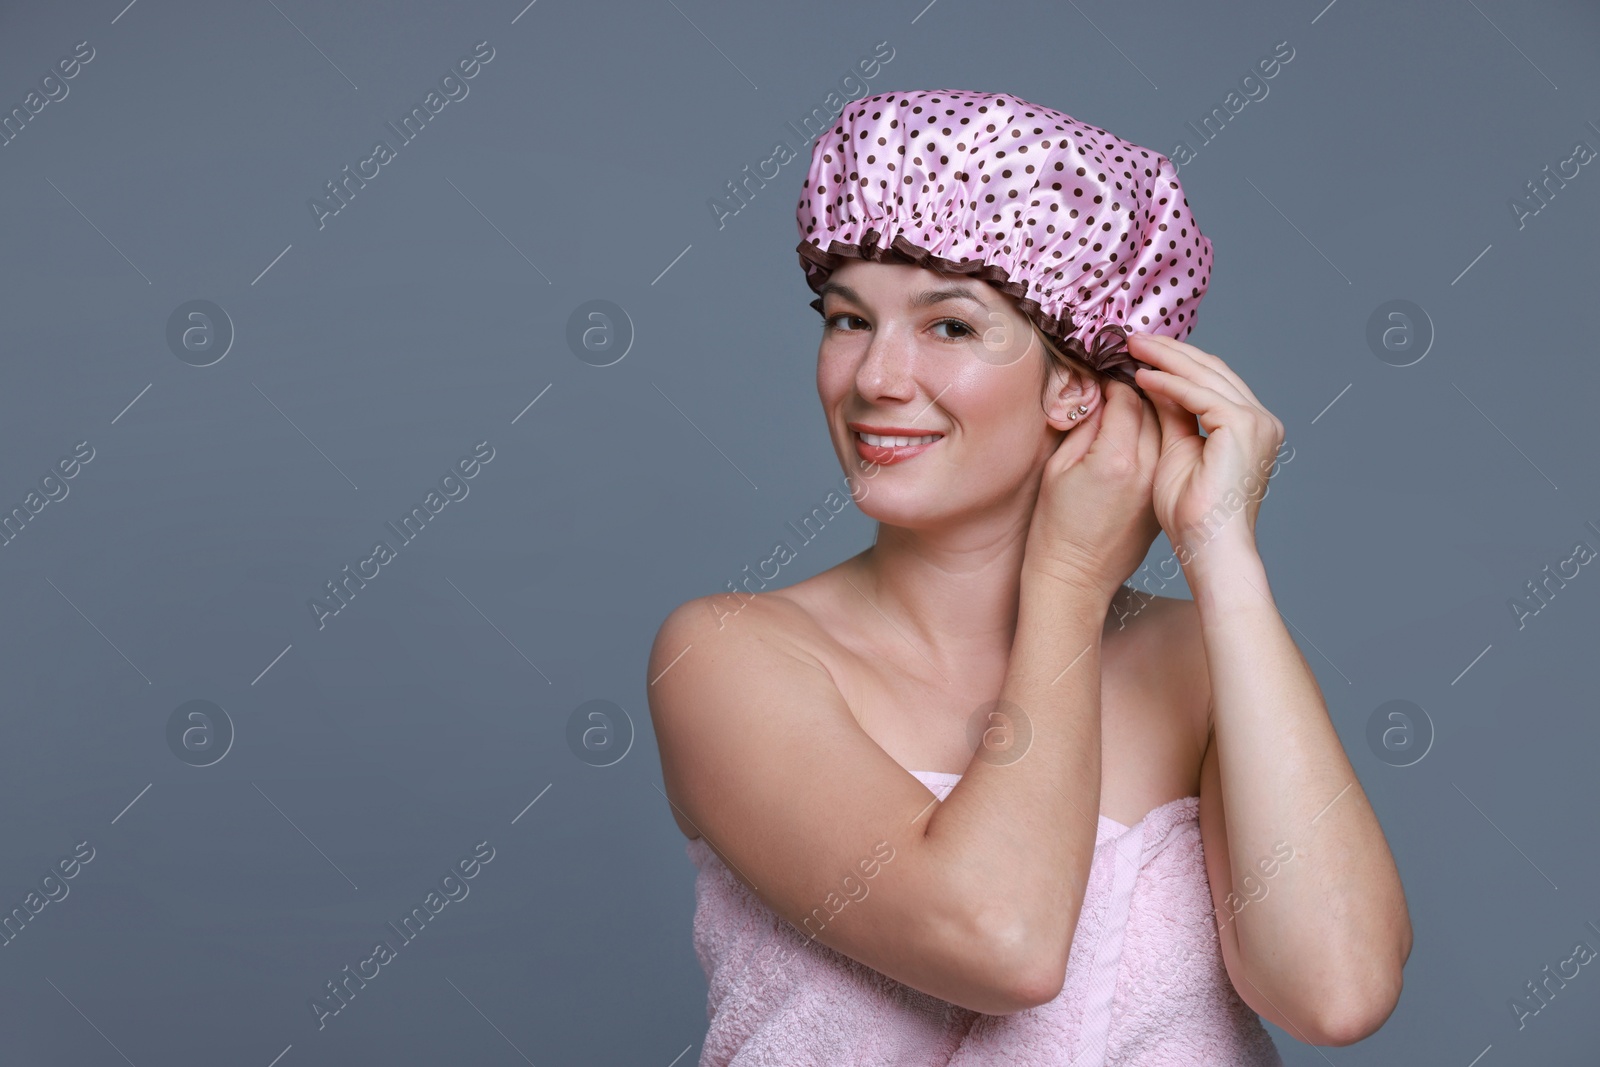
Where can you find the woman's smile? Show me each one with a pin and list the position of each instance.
(884, 445)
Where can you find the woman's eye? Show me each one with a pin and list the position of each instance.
(845, 322)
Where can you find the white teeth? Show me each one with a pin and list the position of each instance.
(897, 442)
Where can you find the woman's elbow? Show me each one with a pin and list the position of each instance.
(1020, 975)
(1038, 987)
(1035, 977)
(1361, 1013)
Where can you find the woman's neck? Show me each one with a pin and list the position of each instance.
(953, 596)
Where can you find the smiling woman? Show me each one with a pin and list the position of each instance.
(1067, 835)
(998, 345)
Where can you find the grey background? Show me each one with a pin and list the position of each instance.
(427, 315)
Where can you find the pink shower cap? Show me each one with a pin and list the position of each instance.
(1090, 234)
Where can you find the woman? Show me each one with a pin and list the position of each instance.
(887, 771)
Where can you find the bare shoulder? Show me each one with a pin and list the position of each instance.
(763, 760)
(712, 658)
(732, 621)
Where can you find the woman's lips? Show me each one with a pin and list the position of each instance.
(884, 455)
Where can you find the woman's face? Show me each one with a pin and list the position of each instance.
(910, 353)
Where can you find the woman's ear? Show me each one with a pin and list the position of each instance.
(1066, 390)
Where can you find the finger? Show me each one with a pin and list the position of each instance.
(1210, 359)
(1215, 363)
(1165, 354)
(1151, 433)
(1125, 423)
(1120, 411)
(1176, 421)
(1212, 408)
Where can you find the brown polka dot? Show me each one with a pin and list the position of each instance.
(911, 212)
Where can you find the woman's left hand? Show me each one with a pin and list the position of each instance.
(1204, 484)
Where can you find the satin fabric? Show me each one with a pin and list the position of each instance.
(1090, 234)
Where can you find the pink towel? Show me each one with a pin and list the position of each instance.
(1145, 981)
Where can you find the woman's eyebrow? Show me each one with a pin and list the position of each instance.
(840, 290)
(935, 296)
(923, 299)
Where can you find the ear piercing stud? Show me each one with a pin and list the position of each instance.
(1081, 409)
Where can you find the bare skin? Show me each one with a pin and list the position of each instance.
(1153, 729)
(788, 721)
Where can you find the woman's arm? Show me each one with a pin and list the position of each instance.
(1310, 909)
(1311, 914)
(973, 900)
(980, 902)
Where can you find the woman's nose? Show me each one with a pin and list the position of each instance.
(887, 366)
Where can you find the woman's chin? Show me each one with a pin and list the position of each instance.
(907, 506)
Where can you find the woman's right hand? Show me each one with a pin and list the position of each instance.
(1094, 520)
